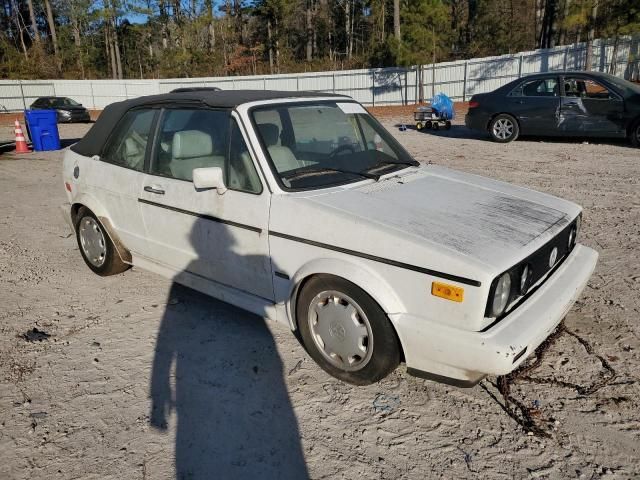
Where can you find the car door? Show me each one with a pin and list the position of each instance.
(588, 107)
(116, 176)
(536, 105)
(219, 236)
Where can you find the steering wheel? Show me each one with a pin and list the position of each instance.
(342, 148)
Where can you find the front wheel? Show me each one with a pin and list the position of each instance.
(345, 331)
(634, 134)
(504, 128)
(96, 248)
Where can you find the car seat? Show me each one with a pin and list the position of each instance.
(282, 157)
(192, 149)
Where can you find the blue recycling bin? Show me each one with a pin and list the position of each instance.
(43, 129)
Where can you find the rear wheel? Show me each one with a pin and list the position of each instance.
(435, 126)
(345, 331)
(96, 248)
(427, 125)
(504, 128)
(447, 125)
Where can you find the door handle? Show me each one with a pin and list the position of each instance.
(155, 190)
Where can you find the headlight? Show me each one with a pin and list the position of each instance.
(573, 234)
(501, 295)
(524, 280)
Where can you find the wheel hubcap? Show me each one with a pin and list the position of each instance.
(340, 330)
(92, 241)
(503, 128)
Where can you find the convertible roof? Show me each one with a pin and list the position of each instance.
(92, 143)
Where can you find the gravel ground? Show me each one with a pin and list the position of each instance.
(129, 377)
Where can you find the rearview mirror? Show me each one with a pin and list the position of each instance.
(211, 177)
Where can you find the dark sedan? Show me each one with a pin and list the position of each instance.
(566, 104)
(68, 110)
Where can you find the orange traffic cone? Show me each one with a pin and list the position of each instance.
(21, 143)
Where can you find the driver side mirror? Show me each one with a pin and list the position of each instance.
(210, 177)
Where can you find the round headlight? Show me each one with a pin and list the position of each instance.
(524, 280)
(501, 295)
(572, 238)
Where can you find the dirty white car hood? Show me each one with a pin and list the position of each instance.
(482, 219)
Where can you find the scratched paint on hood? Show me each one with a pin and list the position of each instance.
(476, 219)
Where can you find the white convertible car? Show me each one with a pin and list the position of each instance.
(302, 208)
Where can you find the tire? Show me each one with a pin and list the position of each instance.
(447, 125)
(350, 337)
(634, 134)
(428, 125)
(419, 126)
(95, 246)
(435, 126)
(504, 128)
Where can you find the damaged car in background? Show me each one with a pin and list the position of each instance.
(565, 104)
(301, 208)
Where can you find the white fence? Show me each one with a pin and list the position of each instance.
(384, 86)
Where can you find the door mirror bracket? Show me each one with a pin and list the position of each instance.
(207, 178)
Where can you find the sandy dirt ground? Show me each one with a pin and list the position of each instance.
(131, 377)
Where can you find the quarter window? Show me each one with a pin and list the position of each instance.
(128, 145)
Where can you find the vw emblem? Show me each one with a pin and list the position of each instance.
(553, 257)
(337, 331)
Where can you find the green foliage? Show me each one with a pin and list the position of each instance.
(171, 38)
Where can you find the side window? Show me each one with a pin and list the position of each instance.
(242, 174)
(128, 143)
(191, 138)
(546, 87)
(586, 88)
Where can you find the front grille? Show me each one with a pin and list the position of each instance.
(539, 267)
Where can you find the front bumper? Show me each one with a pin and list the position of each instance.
(434, 350)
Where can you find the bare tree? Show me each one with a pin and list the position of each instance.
(396, 19)
(54, 36)
(34, 24)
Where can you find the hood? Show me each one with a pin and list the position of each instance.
(489, 221)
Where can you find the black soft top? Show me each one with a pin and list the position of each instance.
(92, 143)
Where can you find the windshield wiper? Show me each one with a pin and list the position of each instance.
(390, 162)
(300, 173)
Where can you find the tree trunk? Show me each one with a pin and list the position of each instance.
(114, 39)
(396, 19)
(309, 32)
(54, 36)
(562, 38)
(211, 32)
(590, 35)
(34, 24)
(75, 28)
(347, 28)
(270, 45)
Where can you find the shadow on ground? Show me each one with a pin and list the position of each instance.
(462, 132)
(233, 413)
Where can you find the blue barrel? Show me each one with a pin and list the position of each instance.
(43, 129)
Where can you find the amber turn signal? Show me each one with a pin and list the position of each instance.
(448, 292)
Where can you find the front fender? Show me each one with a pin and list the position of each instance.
(361, 275)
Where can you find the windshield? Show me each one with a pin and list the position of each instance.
(63, 102)
(316, 145)
(628, 87)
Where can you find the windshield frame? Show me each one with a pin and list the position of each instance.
(391, 140)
